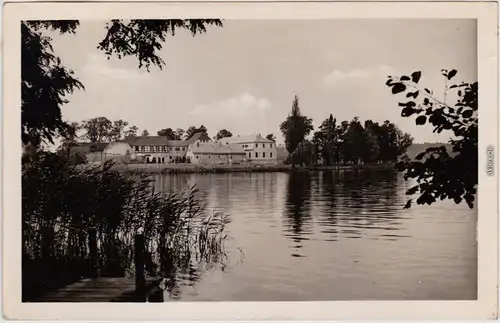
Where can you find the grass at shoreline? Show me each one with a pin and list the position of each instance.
(189, 168)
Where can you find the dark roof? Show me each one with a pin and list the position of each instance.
(199, 136)
(91, 146)
(155, 141)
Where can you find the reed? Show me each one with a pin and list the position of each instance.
(62, 202)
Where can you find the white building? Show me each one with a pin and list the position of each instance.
(257, 148)
(119, 151)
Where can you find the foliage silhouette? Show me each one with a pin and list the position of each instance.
(439, 173)
(223, 133)
(61, 202)
(351, 142)
(170, 134)
(192, 130)
(131, 132)
(45, 81)
(295, 128)
(271, 137)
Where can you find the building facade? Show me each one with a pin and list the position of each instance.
(89, 152)
(119, 151)
(215, 153)
(257, 148)
(158, 149)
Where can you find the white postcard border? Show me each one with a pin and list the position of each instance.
(484, 308)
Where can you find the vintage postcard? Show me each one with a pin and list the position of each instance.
(293, 161)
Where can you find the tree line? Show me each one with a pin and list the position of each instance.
(340, 143)
(46, 82)
(101, 129)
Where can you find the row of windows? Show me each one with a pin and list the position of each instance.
(249, 155)
(220, 156)
(168, 159)
(257, 155)
(257, 146)
(157, 149)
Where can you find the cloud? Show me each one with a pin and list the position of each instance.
(235, 106)
(98, 66)
(338, 76)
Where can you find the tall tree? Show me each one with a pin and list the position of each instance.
(71, 132)
(369, 147)
(327, 141)
(305, 154)
(271, 137)
(342, 130)
(354, 141)
(131, 132)
(404, 141)
(179, 133)
(192, 130)
(145, 133)
(439, 174)
(223, 133)
(169, 133)
(97, 129)
(45, 81)
(118, 130)
(295, 128)
(69, 137)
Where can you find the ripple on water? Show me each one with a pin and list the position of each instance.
(333, 236)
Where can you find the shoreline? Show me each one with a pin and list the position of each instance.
(193, 169)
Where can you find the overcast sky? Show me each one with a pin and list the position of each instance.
(244, 75)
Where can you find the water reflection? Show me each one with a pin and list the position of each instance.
(344, 205)
(297, 208)
(327, 236)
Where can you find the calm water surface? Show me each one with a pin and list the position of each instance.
(331, 236)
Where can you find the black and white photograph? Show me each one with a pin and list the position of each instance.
(224, 159)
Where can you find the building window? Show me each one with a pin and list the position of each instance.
(153, 149)
(197, 157)
(263, 155)
(256, 154)
(142, 149)
(208, 156)
(270, 145)
(183, 148)
(148, 149)
(256, 145)
(263, 145)
(249, 155)
(177, 149)
(137, 148)
(270, 155)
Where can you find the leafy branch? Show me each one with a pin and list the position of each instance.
(438, 173)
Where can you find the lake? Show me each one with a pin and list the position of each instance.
(307, 236)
